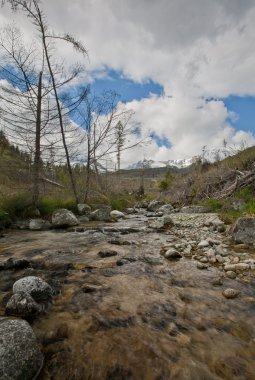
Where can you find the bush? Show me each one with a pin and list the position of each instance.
(48, 205)
(17, 206)
(214, 204)
(166, 182)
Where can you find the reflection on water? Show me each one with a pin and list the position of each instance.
(145, 318)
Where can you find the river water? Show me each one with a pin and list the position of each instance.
(135, 315)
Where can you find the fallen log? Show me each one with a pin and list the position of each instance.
(53, 183)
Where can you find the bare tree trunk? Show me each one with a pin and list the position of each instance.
(87, 184)
(37, 157)
(69, 167)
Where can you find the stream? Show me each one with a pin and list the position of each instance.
(134, 314)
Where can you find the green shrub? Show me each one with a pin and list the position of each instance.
(245, 194)
(47, 205)
(214, 204)
(120, 202)
(17, 206)
(166, 182)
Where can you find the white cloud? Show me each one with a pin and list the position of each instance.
(193, 48)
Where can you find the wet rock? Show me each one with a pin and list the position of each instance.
(126, 260)
(155, 205)
(83, 209)
(20, 225)
(119, 373)
(22, 305)
(109, 323)
(13, 263)
(236, 267)
(121, 242)
(230, 293)
(115, 214)
(64, 218)
(39, 225)
(107, 253)
(231, 274)
(35, 286)
(244, 230)
(172, 253)
(153, 260)
(202, 266)
(83, 219)
(20, 357)
(60, 333)
(101, 214)
(217, 282)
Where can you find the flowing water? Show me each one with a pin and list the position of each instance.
(135, 315)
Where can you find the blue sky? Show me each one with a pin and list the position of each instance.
(244, 107)
(126, 88)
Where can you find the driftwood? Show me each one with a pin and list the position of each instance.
(52, 182)
(241, 180)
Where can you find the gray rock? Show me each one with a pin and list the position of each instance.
(231, 274)
(34, 286)
(22, 305)
(202, 266)
(244, 230)
(155, 205)
(101, 214)
(64, 218)
(161, 223)
(107, 253)
(236, 267)
(130, 210)
(172, 253)
(166, 209)
(83, 219)
(115, 214)
(203, 244)
(20, 357)
(230, 293)
(83, 209)
(39, 225)
(194, 209)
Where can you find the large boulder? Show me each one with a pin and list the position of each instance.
(161, 223)
(84, 209)
(166, 209)
(20, 357)
(243, 230)
(155, 205)
(22, 305)
(64, 218)
(39, 225)
(101, 214)
(115, 214)
(35, 286)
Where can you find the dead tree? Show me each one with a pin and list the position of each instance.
(46, 37)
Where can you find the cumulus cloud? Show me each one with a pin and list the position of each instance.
(197, 50)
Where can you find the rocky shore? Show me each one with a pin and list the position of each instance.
(152, 293)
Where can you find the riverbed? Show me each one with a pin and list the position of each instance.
(136, 315)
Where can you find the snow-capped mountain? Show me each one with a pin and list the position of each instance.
(207, 155)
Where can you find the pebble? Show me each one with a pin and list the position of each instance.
(230, 293)
(202, 266)
(231, 274)
(203, 243)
